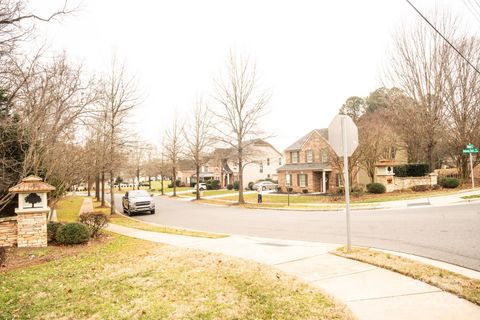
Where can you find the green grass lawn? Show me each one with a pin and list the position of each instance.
(473, 196)
(126, 278)
(68, 208)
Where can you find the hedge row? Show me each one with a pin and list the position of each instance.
(411, 170)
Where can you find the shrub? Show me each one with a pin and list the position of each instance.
(236, 185)
(436, 187)
(376, 188)
(170, 185)
(340, 190)
(230, 186)
(250, 185)
(72, 233)
(357, 191)
(305, 190)
(193, 184)
(215, 184)
(449, 182)
(95, 221)
(411, 170)
(52, 228)
(422, 187)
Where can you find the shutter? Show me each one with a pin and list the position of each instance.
(306, 180)
(298, 180)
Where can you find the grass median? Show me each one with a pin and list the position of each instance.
(462, 286)
(126, 278)
(137, 224)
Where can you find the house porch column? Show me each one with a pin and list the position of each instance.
(324, 182)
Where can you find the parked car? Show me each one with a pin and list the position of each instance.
(265, 185)
(137, 201)
(201, 186)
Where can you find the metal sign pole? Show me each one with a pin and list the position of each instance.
(471, 171)
(346, 185)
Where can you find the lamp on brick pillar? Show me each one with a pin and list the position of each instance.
(32, 211)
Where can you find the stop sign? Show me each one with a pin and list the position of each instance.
(335, 135)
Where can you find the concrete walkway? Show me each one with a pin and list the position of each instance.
(87, 205)
(370, 292)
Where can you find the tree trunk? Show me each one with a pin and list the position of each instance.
(97, 187)
(103, 188)
(149, 182)
(162, 183)
(138, 178)
(112, 195)
(241, 199)
(198, 180)
(88, 186)
(174, 181)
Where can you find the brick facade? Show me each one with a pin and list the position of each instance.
(314, 157)
(8, 231)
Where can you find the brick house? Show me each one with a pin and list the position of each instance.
(309, 166)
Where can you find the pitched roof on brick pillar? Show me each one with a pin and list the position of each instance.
(31, 184)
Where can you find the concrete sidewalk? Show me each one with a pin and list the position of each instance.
(370, 292)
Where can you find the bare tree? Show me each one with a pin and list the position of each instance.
(47, 102)
(420, 67)
(462, 102)
(242, 105)
(119, 97)
(174, 148)
(13, 15)
(198, 137)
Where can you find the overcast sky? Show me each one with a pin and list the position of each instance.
(311, 55)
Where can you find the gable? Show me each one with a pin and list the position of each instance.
(300, 143)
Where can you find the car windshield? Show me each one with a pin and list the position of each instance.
(139, 193)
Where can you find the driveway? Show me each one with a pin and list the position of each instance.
(449, 233)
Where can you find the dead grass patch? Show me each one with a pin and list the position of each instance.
(460, 285)
(127, 278)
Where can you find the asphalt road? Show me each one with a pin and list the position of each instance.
(450, 234)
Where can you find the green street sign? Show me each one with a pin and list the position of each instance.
(470, 149)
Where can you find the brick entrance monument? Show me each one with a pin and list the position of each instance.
(32, 211)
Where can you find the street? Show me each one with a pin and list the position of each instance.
(450, 234)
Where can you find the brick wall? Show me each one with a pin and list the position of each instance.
(8, 231)
(32, 229)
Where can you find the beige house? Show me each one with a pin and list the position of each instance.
(261, 161)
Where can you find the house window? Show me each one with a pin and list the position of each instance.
(302, 180)
(309, 156)
(279, 161)
(390, 153)
(324, 156)
(339, 180)
(294, 157)
(268, 161)
(261, 167)
(288, 179)
(268, 176)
